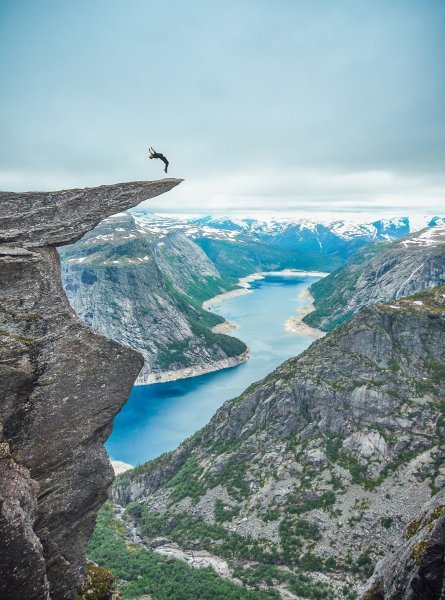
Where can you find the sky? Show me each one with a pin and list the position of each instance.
(283, 106)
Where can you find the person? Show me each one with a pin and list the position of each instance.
(154, 154)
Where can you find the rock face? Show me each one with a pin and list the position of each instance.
(320, 466)
(379, 273)
(415, 570)
(39, 219)
(61, 384)
(144, 289)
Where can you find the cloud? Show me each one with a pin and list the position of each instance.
(275, 190)
(312, 106)
(307, 190)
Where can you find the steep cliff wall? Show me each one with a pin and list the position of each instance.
(61, 384)
(143, 288)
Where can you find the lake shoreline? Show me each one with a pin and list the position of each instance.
(157, 418)
(293, 325)
(296, 325)
(186, 372)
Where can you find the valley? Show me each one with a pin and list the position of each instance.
(320, 454)
(301, 483)
(157, 418)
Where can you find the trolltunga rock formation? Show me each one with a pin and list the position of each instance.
(61, 384)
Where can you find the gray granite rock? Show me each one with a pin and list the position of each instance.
(61, 384)
(415, 570)
(58, 218)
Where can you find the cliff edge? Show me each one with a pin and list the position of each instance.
(61, 384)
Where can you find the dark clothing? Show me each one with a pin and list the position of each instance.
(162, 157)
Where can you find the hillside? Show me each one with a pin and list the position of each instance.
(311, 475)
(145, 289)
(378, 273)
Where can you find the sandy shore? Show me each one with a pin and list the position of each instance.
(244, 288)
(226, 327)
(225, 363)
(295, 324)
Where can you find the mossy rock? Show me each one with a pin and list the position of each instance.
(99, 584)
(418, 550)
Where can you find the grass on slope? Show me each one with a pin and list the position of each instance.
(142, 571)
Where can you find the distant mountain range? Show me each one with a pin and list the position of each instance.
(282, 242)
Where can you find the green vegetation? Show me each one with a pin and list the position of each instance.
(331, 293)
(187, 482)
(300, 584)
(18, 338)
(437, 371)
(201, 322)
(144, 468)
(98, 583)
(301, 502)
(418, 550)
(293, 535)
(187, 530)
(223, 513)
(192, 532)
(204, 288)
(238, 260)
(144, 572)
(394, 366)
(386, 522)
(364, 564)
(192, 481)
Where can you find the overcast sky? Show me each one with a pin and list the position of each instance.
(279, 105)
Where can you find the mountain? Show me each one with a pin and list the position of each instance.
(144, 287)
(238, 247)
(311, 475)
(61, 385)
(377, 273)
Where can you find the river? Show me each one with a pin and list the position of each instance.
(158, 417)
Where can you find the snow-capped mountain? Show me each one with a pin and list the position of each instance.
(336, 238)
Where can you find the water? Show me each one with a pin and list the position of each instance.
(158, 417)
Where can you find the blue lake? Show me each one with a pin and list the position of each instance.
(158, 417)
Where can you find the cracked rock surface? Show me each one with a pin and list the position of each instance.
(61, 384)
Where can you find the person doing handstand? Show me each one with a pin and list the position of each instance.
(154, 154)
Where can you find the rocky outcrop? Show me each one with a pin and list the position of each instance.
(39, 219)
(319, 467)
(415, 570)
(61, 384)
(143, 288)
(378, 273)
